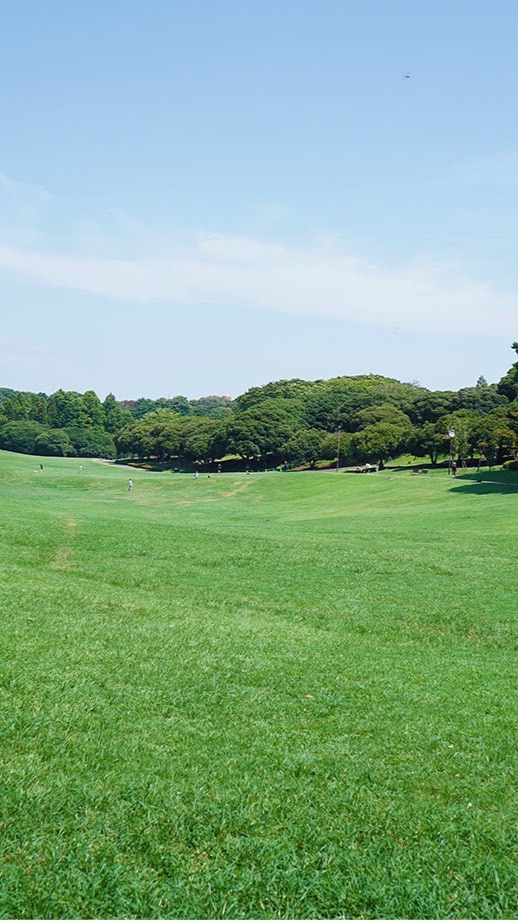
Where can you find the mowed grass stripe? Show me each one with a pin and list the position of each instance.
(290, 696)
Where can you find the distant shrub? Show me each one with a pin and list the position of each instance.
(510, 465)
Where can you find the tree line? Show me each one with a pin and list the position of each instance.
(348, 420)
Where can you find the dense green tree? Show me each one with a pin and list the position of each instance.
(198, 439)
(427, 439)
(280, 418)
(462, 423)
(514, 368)
(213, 406)
(322, 409)
(6, 393)
(376, 443)
(381, 412)
(508, 385)
(158, 434)
(38, 410)
(24, 406)
(479, 399)
(335, 404)
(512, 416)
(134, 441)
(164, 433)
(139, 408)
(20, 436)
(92, 411)
(165, 438)
(116, 416)
(290, 390)
(352, 402)
(178, 404)
(495, 435)
(305, 446)
(241, 437)
(431, 405)
(53, 443)
(17, 408)
(261, 430)
(90, 442)
(65, 408)
(336, 447)
(217, 445)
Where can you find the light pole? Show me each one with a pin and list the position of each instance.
(451, 434)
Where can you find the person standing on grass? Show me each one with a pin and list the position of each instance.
(454, 468)
(130, 485)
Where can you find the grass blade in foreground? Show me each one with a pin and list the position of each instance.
(269, 696)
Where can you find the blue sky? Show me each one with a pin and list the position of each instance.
(198, 197)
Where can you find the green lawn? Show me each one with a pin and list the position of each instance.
(265, 696)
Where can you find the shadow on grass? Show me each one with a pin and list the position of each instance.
(486, 481)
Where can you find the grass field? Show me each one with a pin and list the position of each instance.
(266, 696)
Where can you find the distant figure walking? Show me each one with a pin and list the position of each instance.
(80, 468)
(454, 468)
(130, 485)
(41, 466)
(196, 475)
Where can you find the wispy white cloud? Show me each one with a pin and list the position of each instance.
(321, 279)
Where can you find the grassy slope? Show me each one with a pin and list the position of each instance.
(265, 696)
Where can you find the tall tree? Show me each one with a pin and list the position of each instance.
(305, 446)
(116, 416)
(262, 429)
(428, 439)
(65, 408)
(376, 443)
(508, 385)
(93, 410)
(198, 438)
